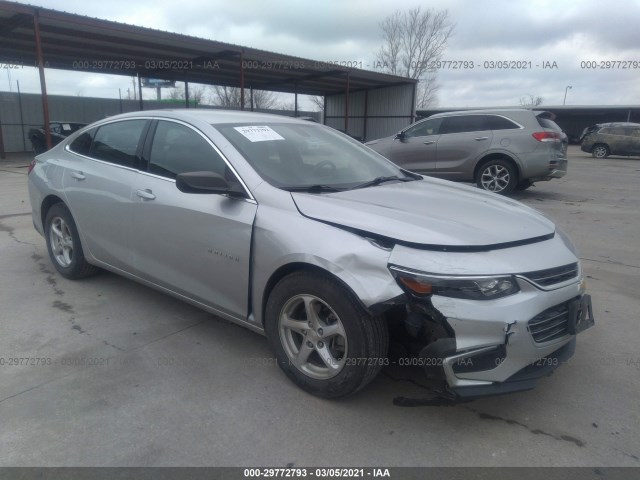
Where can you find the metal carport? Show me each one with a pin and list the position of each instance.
(354, 98)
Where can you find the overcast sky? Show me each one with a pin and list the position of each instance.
(537, 32)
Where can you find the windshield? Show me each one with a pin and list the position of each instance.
(297, 156)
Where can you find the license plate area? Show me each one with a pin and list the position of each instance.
(580, 315)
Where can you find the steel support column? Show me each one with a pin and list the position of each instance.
(346, 105)
(43, 83)
(242, 79)
(140, 92)
(366, 115)
(186, 94)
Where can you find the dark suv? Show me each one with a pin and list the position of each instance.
(500, 150)
(621, 138)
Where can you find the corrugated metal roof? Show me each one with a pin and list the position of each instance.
(77, 42)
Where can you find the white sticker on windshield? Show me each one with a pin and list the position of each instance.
(66, 126)
(260, 133)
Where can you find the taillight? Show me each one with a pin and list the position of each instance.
(547, 136)
(31, 165)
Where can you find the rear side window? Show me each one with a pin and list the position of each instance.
(500, 123)
(82, 144)
(464, 123)
(179, 149)
(118, 142)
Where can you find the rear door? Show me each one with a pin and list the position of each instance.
(415, 150)
(97, 183)
(197, 245)
(463, 138)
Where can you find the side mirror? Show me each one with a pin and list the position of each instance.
(400, 135)
(207, 182)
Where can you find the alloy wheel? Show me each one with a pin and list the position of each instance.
(495, 178)
(313, 337)
(61, 242)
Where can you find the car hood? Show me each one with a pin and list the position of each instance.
(429, 213)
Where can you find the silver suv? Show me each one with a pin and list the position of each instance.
(499, 150)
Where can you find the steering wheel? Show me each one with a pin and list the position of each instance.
(327, 165)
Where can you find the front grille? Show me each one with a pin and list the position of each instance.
(551, 324)
(553, 276)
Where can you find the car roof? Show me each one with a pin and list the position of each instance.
(489, 111)
(618, 124)
(212, 116)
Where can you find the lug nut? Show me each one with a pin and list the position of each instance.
(320, 331)
(320, 344)
(309, 344)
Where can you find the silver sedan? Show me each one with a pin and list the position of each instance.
(294, 230)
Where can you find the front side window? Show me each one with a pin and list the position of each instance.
(179, 149)
(118, 142)
(425, 128)
(464, 123)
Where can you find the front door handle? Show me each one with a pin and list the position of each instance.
(78, 175)
(429, 142)
(146, 194)
(478, 139)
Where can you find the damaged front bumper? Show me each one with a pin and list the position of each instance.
(502, 345)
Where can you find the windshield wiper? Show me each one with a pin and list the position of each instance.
(312, 188)
(379, 180)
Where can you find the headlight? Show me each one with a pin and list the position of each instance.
(467, 287)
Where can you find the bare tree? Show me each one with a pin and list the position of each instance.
(229, 97)
(531, 101)
(414, 41)
(318, 102)
(197, 94)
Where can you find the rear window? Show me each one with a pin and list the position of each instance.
(547, 123)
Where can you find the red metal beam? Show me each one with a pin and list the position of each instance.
(43, 83)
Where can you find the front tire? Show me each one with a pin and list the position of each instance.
(323, 339)
(63, 244)
(498, 176)
(600, 151)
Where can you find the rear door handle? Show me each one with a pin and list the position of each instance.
(429, 142)
(145, 194)
(481, 138)
(78, 175)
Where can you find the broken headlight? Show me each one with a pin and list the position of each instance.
(467, 287)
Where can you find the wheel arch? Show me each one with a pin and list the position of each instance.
(48, 202)
(497, 156)
(293, 267)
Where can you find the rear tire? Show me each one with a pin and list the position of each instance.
(63, 244)
(323, 339)
(600, 151)
(498, 176)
